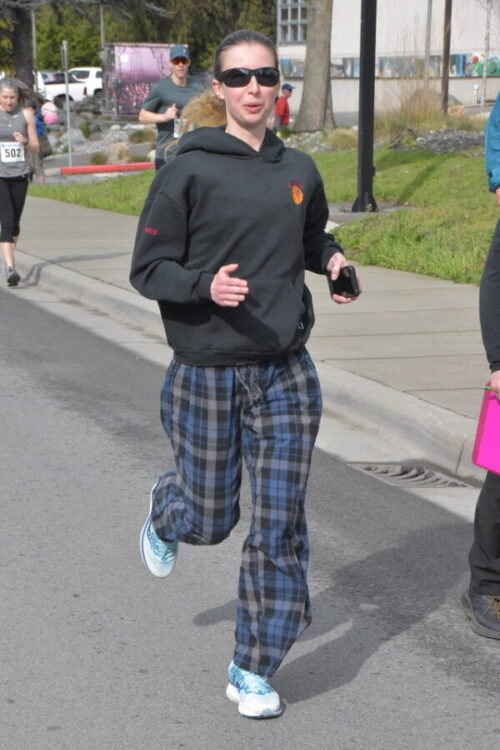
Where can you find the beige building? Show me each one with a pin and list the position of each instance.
(400, 50)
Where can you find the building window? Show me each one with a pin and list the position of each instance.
(292, 21)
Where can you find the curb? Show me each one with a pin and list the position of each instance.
(119, 304)
(439, 436)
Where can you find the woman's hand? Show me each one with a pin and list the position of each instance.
(495, 382)
(19, 137)
(227, 290)
(334, 267)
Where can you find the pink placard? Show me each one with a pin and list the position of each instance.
(486, 451)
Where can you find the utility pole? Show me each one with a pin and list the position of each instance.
(64, 60)
(488, 7)
(366, 116)
(427, 56)
(446, 56)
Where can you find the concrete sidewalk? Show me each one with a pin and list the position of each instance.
(405, 359)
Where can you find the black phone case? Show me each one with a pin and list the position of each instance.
(346, 283)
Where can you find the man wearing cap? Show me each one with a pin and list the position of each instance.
(167, 97)
(282, 108)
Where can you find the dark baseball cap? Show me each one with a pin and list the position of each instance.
(288, 86)
(179, 50)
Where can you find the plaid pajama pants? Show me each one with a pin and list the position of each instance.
(268, 414)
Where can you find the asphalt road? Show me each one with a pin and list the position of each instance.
(96, 653)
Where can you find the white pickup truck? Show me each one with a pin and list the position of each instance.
(91, 77)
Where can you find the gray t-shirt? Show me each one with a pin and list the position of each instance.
(14, 160)
(162, 94)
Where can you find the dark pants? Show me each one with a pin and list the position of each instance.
(12, 196)
(484, 556)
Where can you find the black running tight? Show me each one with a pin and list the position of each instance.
(12, 196)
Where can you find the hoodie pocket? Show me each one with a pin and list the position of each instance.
(270, 321)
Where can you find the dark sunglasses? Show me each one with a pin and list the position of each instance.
(237, 77)
(180, 61)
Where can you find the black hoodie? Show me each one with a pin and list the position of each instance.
(219, 202)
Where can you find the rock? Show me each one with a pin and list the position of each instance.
(448, 140)
(118, 152)
(53, 140)
(76, 136)
(86, 115)
(428, 99)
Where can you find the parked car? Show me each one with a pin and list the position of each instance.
(92, 77)
(55, 89)
(51, 76)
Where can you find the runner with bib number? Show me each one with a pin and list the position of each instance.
(10, 154)
(17, 138)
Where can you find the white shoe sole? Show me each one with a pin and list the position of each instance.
(266, 713)
(143, 541)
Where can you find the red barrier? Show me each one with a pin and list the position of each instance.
(134, 166)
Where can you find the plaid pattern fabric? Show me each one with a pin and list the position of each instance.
(269, 414)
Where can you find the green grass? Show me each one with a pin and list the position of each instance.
(445, 230)
(125, 195)
(447, 227)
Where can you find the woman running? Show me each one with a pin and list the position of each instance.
(17, 138)
(228, 229)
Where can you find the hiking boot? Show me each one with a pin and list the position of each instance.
(158, 556)
(483, 610)
(12, 276)
(254, 695)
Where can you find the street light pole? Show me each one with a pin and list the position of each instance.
(34, 48)
(366, 117)
(64, 60)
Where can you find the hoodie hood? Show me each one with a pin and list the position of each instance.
(217, 141)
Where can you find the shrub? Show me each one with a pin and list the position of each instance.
(146, 135)
(85, 128)
(341, 139)
(99, 158)
(118, 152)
(421, 111)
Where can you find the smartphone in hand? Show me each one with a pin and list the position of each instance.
(345, 284)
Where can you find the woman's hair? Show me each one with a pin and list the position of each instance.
(22, 91)
(206, 109)
(9, 83)
(245, 36)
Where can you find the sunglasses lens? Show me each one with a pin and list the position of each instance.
(268, 76)
(238, 77)
(179, 61)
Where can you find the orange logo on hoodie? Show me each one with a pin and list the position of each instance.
(297, 192)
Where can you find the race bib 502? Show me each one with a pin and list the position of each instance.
(11, 152)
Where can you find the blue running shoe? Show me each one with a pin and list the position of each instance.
(158, 556)
(254, 695)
